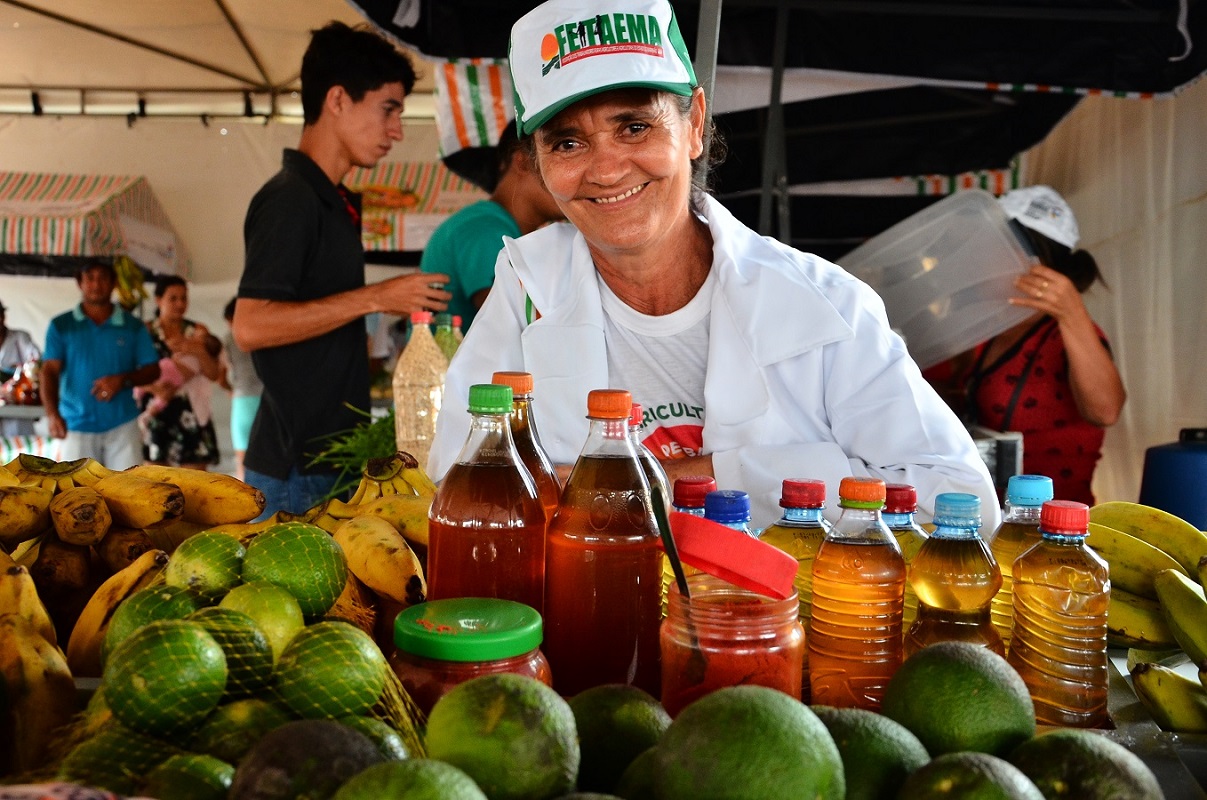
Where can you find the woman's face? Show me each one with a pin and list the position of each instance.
(619, 166)
(173, 303)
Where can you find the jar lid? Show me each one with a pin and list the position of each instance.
(733, 556)
(468, 629)
(808, 493)
(609, 403)
(1064, 518)
(854, 492)
(900, 498)
(958, 510)
(489, 398)
(1028, 490)
(690, 490)
(520, 382)
(727, 506)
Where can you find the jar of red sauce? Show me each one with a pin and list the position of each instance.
(728, 636)
(442, 643)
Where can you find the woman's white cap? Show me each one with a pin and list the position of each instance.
(1041, 209)
(565, 50)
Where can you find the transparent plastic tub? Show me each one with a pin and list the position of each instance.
(945, 275)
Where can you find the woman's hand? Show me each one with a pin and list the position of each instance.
(1051, 293)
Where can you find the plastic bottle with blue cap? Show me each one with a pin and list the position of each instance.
(729, 507)
(955, 579)
(1025, 496)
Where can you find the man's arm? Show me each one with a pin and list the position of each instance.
(48, 385)
(272, 323)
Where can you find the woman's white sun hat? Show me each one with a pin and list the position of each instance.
(1041, 209)
(565, 50)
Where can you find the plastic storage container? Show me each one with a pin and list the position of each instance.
(442, 643)
(945, 274)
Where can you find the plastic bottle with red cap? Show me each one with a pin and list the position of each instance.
(604, 562)
(418, 387)
(528, 439)
(487, 523)
(854, 634)
(689, 493)
(799, 533)
(458, 335)
(654, 472)
(1019, 530)
(955, 578)
(1061, 595)
(900, 505)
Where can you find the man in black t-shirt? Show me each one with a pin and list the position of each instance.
(302, 297)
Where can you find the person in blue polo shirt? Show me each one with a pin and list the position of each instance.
(95, 355)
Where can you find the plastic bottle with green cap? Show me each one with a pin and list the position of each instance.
(1025, 496)
(444, 335)
(442, 643)
(602, 579)
(955, 578)
(487, 523)
(854, 635)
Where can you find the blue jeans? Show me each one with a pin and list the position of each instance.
(295, 494)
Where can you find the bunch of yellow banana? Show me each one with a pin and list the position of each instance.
(380, 558)
(210, 498)
(1140, 543)
(84, 644)
(131, 283)
(1177, 703)
(396, 474)
(39, 692)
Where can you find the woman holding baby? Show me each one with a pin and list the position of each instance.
(176, 421)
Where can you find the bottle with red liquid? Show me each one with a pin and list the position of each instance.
(900, 505)
(955, 579)
(1062, 591)
(799, 533)
(654, 473)
(854, 635)
(487, 524)
(528, 439)
(604, 562)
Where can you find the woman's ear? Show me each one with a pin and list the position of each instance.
(698, 119)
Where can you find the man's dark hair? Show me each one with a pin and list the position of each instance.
(228, 313)
(355, 58)
(79, 273)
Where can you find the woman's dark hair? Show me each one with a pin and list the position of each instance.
(355, 58)
(1076, 265)
(165, 282)
(228, 313)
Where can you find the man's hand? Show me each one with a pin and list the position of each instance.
(106, 387)
(56, 426)
(407, 294)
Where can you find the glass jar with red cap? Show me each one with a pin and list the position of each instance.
(442, 643)
(528, 439)
(604, 562)
(900, 505)
(1061, 595)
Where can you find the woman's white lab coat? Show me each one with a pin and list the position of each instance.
(805, 379)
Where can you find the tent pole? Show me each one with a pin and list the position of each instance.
(775, 171)
(708, 34)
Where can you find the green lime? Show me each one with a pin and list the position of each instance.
(302, 559)
(274, 609)
(1085, 765)
(249, 666)
(142, 607)
(877, 753)
(208, 564)
(190, 776)
(231, 730)
(331, 669)
(420, 779)
(616, 723)
(388, 740)
(968, 776)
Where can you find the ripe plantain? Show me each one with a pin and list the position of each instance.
(19, 595)
(379, 556)
(1185, 608)
(122, 546)
(39, 691)
(80, 515)
(138, 502)
(1137, 622)
(385, 476)
(356, 604)
(84, 644)
(1134, 562)
(24, 513)
(1175, 702)
(407, 513)
(1177, 537)
(60, 569)
(210, 498)
(46, 472)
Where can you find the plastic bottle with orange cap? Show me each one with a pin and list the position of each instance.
(854, 634)
(1061, 596)
(528, 439)
(604, 562)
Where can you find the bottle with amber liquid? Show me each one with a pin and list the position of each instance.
(654, 473)
(604, 562)
(799, 533)
(1061, 594)
(689, 493)
(487, 524)
(854, 635)
(528, 439)
(955, 578)
(900, 505)
(1019, 530)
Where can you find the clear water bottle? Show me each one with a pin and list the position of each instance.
(955, 578)
(1019, 530)
(900, 505)
(1061, 595)
(487, 536)
(729, 507)
(854, 635)
(418, 387)
(603, 562)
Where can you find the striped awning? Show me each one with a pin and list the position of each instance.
(88, 215)
(404, 201)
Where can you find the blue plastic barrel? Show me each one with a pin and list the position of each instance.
(1175, 477)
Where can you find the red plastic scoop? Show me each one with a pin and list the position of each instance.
(733, 556)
